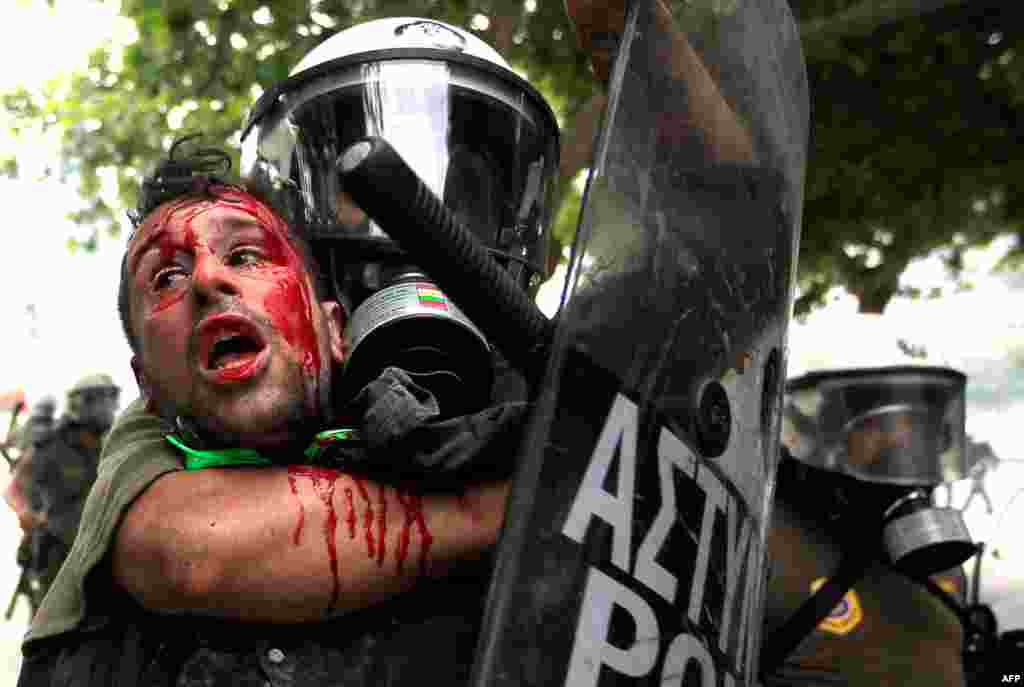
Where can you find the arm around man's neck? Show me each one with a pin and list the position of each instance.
(291, 544)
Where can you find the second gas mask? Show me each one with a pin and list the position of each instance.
(890, 434)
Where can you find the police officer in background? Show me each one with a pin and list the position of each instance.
(39, 423)
(53, 476)
(853, 531)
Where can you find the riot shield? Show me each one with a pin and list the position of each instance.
(633, 548)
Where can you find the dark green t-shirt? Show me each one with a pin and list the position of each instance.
(89, 630)
(134, 455)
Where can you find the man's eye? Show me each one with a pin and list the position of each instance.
(167, 276)
(245, 257)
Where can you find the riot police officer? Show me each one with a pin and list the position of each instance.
(40, 422)
(55, 472)
(854, 540)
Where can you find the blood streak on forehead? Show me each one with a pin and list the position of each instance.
(289, 303)
(156, 232)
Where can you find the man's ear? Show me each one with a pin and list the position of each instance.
(336, 321)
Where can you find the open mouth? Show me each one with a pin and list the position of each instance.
(232, 350)
(229, 344)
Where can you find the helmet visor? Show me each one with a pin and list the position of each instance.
(484, 145)
(902, 426)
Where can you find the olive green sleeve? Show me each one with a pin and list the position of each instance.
(134, 455)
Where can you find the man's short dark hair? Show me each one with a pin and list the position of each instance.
(191, 170)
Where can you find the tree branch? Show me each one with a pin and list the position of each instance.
(228, 23)
(503, 29)
(820, 35)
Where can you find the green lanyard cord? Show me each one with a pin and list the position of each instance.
(197, 460)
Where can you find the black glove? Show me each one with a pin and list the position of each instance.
(404, 436)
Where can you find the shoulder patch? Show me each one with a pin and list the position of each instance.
(845, 617)
(948, 584)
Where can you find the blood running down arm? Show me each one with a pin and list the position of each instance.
(293, 544)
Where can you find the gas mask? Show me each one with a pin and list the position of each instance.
(479, 136)
(890, 435)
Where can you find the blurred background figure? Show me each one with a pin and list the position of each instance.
(52, 476)
(39, 423)
(985, 462)
(12, 402)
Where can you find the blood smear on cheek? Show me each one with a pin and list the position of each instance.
(288, 304)
(290, 312)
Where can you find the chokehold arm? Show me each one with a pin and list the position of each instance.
(291, 544)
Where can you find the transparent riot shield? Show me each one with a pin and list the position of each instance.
(633, 548)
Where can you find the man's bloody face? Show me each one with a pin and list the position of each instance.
(230, 333)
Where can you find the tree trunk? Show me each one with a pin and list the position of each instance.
(503, 30)
(873, 301)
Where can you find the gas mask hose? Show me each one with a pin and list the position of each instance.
(393, 195)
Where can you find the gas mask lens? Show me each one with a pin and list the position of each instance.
(485, 146)
(894, 440)
(902, 426)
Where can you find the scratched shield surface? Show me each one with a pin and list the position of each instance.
(633, 549)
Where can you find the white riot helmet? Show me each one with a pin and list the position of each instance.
(478, 135)
(481, 137)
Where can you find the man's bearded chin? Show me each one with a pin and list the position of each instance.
(283, 423)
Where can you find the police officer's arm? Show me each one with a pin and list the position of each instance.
(725, 135)
(269, 545)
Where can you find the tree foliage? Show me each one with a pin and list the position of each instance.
(915, 107)
(915, 124)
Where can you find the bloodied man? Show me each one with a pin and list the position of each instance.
(224, 541)
(230, 331)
